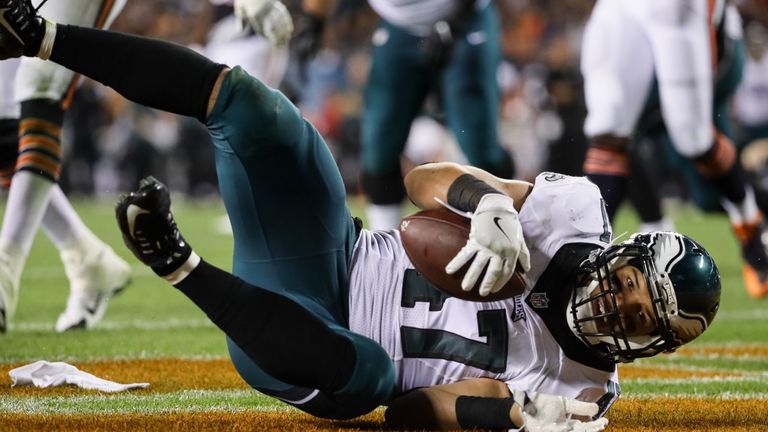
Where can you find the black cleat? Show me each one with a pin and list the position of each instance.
(148, 227)
(21, 29)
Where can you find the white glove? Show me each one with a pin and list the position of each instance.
(549, 413)
(269, 18)
(496, 241)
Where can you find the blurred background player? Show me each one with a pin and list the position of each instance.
(233, 39)
(447, 47)
(625, 44)
(43, 91)
(750, 108)
(655, 164)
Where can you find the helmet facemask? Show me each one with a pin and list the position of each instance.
(594, 311)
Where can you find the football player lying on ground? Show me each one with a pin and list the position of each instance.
(332, 318)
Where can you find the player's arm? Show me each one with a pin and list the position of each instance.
(496, 244)
(488, 404)
(435, 407)
(429, 181)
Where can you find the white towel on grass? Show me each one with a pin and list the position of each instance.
(50, 374)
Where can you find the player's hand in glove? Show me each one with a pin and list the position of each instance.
(549, 413)
(269, 18)
(495, 244)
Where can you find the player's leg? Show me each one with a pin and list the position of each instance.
(283, 193)
(280, 346)
(397, 85)
(617, 67)
(471, 93)
(43, 91)
(685, 54)
(9, 143)
(293, 232)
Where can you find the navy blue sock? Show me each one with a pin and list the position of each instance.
(151, 72)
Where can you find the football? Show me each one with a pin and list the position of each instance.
(432, 238)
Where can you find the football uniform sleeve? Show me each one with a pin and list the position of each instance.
(563, 209)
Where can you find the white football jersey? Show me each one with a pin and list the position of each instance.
(437, 339)
(627, 43)
(418, 16)
(41, 79)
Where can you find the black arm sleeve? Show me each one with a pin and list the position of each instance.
(151, 72)
(484, 412)
(466, 191)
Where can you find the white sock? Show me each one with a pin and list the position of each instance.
(384, 217)
(743, 212)
(27, 202)
(62, 224)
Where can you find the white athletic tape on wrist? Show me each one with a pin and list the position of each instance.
(184, 270)
(46, 46)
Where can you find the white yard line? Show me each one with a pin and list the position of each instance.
(757, 378)
(721, 396)
(168, 324)
(183, 401)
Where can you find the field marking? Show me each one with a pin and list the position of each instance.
(191, 401)
(168, 324)
(695, 380)
(723, 396)
(156, 403)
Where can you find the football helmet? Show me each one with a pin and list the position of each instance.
(684, 287)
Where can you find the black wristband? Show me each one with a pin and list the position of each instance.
(466, 192)
(484, 412)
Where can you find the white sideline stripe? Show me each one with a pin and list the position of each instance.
(36, 326)
(180, 402)
(687, 368)
(91, 359)
(757, 378)
(716, 356)
(721, 396)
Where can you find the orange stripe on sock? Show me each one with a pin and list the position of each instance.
(604, 161)
(745, 231)
(40, 142)
(6, 175)
(32, 125)
(40, 163)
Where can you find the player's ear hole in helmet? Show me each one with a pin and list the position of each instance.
(678, 287)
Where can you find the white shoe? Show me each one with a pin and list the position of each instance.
(93, 279)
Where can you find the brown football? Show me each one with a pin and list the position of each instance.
(432, 238)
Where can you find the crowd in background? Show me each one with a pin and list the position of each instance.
(111, 143)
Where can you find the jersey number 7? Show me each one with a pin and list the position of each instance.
(440, 344)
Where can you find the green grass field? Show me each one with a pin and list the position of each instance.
(151, 320)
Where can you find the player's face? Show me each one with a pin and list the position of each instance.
(631, 299)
